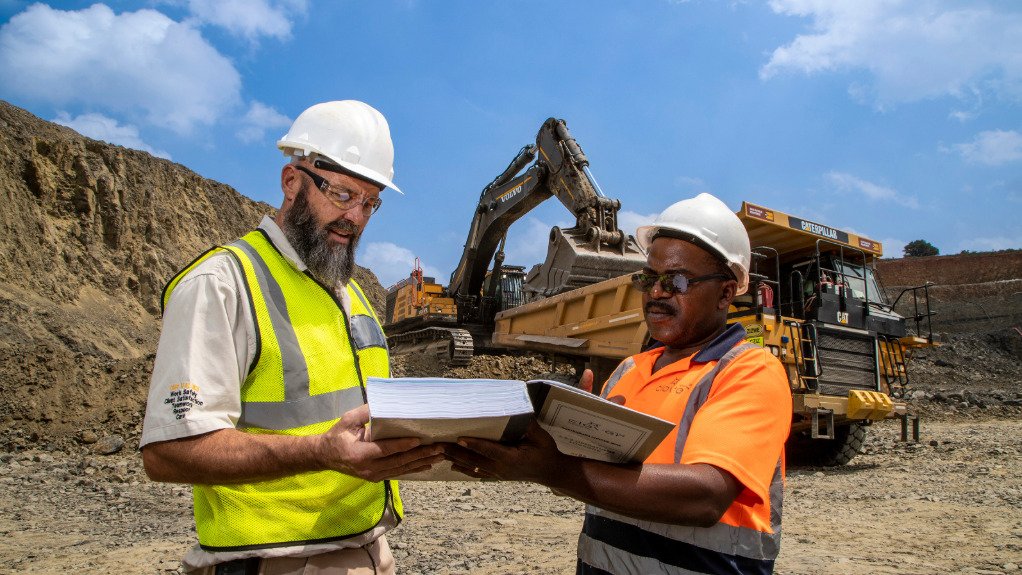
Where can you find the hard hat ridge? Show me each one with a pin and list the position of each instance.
(349, 133)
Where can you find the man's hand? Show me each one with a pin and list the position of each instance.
(535, 458)
(585, 383)
(233, 456)
(344, 448)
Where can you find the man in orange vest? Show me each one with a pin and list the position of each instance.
(708, 499)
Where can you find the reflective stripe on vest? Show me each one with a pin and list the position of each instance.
(621, 544)
(310, 368)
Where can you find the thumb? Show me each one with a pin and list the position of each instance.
(355, 418)
(585, 383)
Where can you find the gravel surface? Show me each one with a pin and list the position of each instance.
(948, 504)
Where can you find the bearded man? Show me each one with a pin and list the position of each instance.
(257, 393)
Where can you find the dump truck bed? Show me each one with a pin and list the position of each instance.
(601, 320)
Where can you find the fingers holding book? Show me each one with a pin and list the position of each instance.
(534, 458)
(344, 448)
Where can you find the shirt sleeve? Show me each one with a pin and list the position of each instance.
(203, 356)
(744, 423)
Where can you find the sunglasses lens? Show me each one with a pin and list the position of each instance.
(679, 283)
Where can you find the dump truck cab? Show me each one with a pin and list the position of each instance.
(817, 304)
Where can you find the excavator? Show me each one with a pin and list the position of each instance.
(451, 322)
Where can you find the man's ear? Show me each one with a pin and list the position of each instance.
(728, 291)
(290, 182)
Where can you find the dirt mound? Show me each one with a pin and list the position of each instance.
(90, 234)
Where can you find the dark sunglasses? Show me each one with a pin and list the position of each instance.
(670, 282)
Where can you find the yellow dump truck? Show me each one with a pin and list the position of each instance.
(814, 301)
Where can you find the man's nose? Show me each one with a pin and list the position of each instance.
(356, 215)
(658, 291)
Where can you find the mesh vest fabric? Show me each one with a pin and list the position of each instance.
(310, 367)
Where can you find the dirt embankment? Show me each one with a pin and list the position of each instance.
(91, 231)
(972, 293)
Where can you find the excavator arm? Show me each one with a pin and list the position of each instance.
(592, 250)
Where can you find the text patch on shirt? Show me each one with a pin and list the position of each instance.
(182, 397)
(676, 387)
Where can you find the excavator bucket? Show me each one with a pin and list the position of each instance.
(573, 261)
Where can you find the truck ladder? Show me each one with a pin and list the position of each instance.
(892, 365)
(803, 344)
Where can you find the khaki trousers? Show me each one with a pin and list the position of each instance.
(373, 559)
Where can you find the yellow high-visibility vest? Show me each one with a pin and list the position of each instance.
(310, 367)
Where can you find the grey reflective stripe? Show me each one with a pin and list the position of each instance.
(697, 397)
(721, 538)
(615, 377)
(358, 293)
(298, 408)
(612, 560)
(365, 333)
(776, 504)
(300, 412)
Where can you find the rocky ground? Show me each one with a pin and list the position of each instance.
(950, 503)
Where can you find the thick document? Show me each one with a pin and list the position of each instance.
(442, 410)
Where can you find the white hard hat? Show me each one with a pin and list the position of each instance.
(708, 223)
(352, 134)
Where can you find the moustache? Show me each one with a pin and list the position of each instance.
(343, 227)
(655, 306)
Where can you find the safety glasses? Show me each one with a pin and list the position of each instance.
(670, 282)
(342, 198)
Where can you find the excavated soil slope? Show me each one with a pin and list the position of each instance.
(90, 233)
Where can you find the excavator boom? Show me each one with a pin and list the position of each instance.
(592, 250)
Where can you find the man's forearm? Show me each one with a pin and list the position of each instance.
(230, 456)
(679, 494)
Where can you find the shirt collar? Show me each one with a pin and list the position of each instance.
(721, 344)
(276, 235)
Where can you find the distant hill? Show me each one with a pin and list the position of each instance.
(90, 233)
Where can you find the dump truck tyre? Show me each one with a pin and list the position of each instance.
(803, 450)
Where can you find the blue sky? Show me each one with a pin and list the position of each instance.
(897, 120)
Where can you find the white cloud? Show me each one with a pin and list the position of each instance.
(628, 221)
(852, 184)
(392, 263)
(915, 49)
(250, 19)
(100, 127)
(991, 243)
(690, 183)
(258, 119)
(527, 241)
(139, 64)
(993, 148)
(893, 248)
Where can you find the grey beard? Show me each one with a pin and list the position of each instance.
(329, 265)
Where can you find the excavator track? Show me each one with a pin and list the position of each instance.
(450, 345)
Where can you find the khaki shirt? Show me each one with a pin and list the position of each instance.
(207, 344)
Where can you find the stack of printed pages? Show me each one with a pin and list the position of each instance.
(442, 410)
